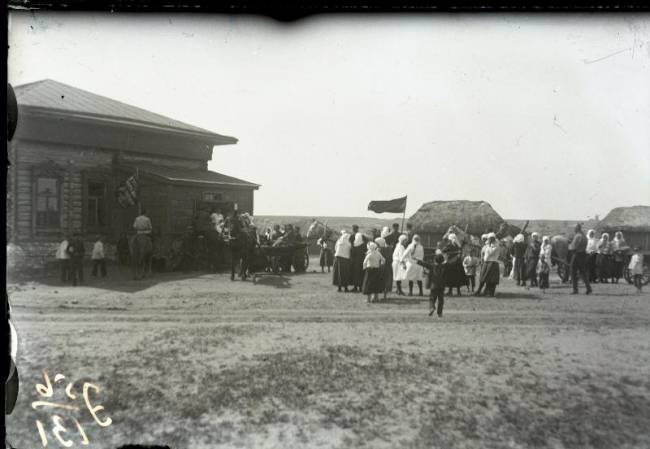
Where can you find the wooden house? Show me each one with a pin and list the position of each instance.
(73, 149)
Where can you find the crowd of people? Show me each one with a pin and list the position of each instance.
(373, 267)
(393, 259)
(594, 259)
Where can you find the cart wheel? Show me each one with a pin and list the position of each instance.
(306, 259)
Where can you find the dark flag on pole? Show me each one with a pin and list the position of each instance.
(396, 206)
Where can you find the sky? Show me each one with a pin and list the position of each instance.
(542, 116)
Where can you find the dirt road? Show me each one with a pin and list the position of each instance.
(198, 361)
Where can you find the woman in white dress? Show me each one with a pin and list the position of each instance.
(399, 269)
(414, 272)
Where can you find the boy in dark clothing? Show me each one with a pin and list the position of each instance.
(436, 283)
(76, 251)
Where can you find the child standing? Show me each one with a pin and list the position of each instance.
(636, 269)
(543, 270)
(326, 256)
(64, 259)
(469, 264)
(98, 257)
(436, 283)
(373, 281)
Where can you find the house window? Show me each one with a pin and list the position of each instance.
(212, 196)
(48, 211)
(96, 205)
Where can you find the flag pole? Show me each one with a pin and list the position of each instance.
(403, 215)
(137, 178)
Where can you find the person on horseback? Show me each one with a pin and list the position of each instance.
(141, 248)
(142, 224)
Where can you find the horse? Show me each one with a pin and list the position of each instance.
(319, 230)
(141, 249)
(560, 256)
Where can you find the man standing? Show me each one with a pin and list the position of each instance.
(76, 251)
(64, 259)
(409, 233)
(579, 260)
(393, 237)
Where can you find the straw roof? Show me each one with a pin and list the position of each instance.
(630, 219)
(437, 216)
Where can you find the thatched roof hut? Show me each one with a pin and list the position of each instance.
(633, 221)
(433, 219)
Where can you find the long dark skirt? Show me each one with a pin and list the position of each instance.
(543, 280)
(342, 276)
(603, 267)
(373, 281)
(490, 273)
(531, 270)
(326, 257)
(520, 270)
(356, 260)
(387, 269)
(455, 274)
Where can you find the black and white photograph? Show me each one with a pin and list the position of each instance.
(346, 231)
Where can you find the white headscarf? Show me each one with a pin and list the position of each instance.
(452, 237)
(534, 234)
(416, 238)
(546, 239)
(358, 239)
(604, 236)
(385, 232)
(519, 238)
(402, 238)
(591, 234)
(381, 242)
(372, 246)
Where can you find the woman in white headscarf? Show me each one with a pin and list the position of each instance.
(387, 270)
(454, 271)
(519, 266)
(603, 258)
(543, 266)
(358, 253)
(373, 267)
(619, 248)
(592, 253)
(342, 248)
(414, 272)
(490, 269)
(399, 267)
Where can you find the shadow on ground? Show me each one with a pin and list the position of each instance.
(118, 278)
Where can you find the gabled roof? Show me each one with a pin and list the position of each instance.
(58, 98)
(630, 219)
(186, 175)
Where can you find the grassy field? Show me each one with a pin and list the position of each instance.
(202, 362)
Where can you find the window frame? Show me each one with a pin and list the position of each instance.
(97, 177)
(51, 171)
